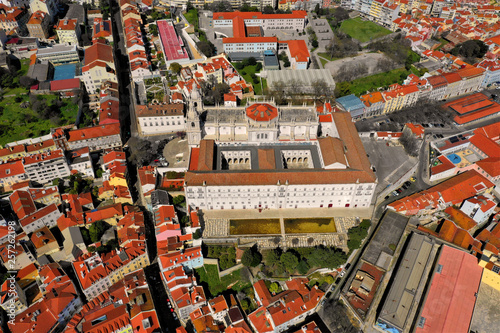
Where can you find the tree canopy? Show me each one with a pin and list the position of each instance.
(470, 50)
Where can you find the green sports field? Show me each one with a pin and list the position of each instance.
(363, 31)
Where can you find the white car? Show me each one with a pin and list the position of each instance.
(342, 274)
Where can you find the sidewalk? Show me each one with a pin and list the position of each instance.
(362, 213)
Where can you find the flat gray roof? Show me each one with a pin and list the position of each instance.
(56, 49)
(305, 76)
(389, 233)
(409, 276)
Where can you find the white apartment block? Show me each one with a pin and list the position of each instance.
(47, 6)
(45, 167)
(156, 119)
(44, 217)
(249, 44)
(294, 21)
(68, 31)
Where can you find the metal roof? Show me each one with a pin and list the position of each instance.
(410, 275)
(305, 76)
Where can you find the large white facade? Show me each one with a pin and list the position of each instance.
(280, 196)
(160, 119)
(45, 167)
(236, 170)
(257, 123)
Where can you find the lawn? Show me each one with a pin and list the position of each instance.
(310, 225)
(323, 62)
(192, 17)
(17, 123)
(249, 70)
(254, 227)
(363, 31)
(327, 56)
(208, 274)
(369, 83)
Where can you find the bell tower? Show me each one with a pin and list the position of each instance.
(193, 125)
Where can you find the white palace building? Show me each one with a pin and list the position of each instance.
(267, 156)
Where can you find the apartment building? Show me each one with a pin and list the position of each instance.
(38, 25)
(99, 66)
(68, 31)
(45, 167)
(11, 173)
(46, 6)
(44, 217)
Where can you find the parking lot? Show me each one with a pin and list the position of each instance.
(390, 162)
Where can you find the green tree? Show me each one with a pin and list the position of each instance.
(314, 43)
(256, 259)
(96, 230)
(175, 67)
(252, 61)
(153, 29)
(247, 258)
(272, 258)
(245, 305)
(85, 235)
(206, 47)
(274, 287)
(289, 261)
(303, 267)
(197, 234)
(99, 172)
(177, 200)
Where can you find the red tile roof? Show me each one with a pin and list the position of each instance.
(359, 165)
(449, 304)
(38, 215)
(11, 169)
(452, 191)
(485, 145)
(22, 203)
(94, 132)
(103, 213)
(460, 218)
(490, 165)
(68, 84)
(98, 51)
(298, 50)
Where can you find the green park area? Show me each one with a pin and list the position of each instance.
(310, 225)
(192, 17)
(26, 116)
(254, 226)
(364, 31)
(209, 275)
(370, 83)
(22, 116)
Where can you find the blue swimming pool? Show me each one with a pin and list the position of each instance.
(454, 158)
(64, 72)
